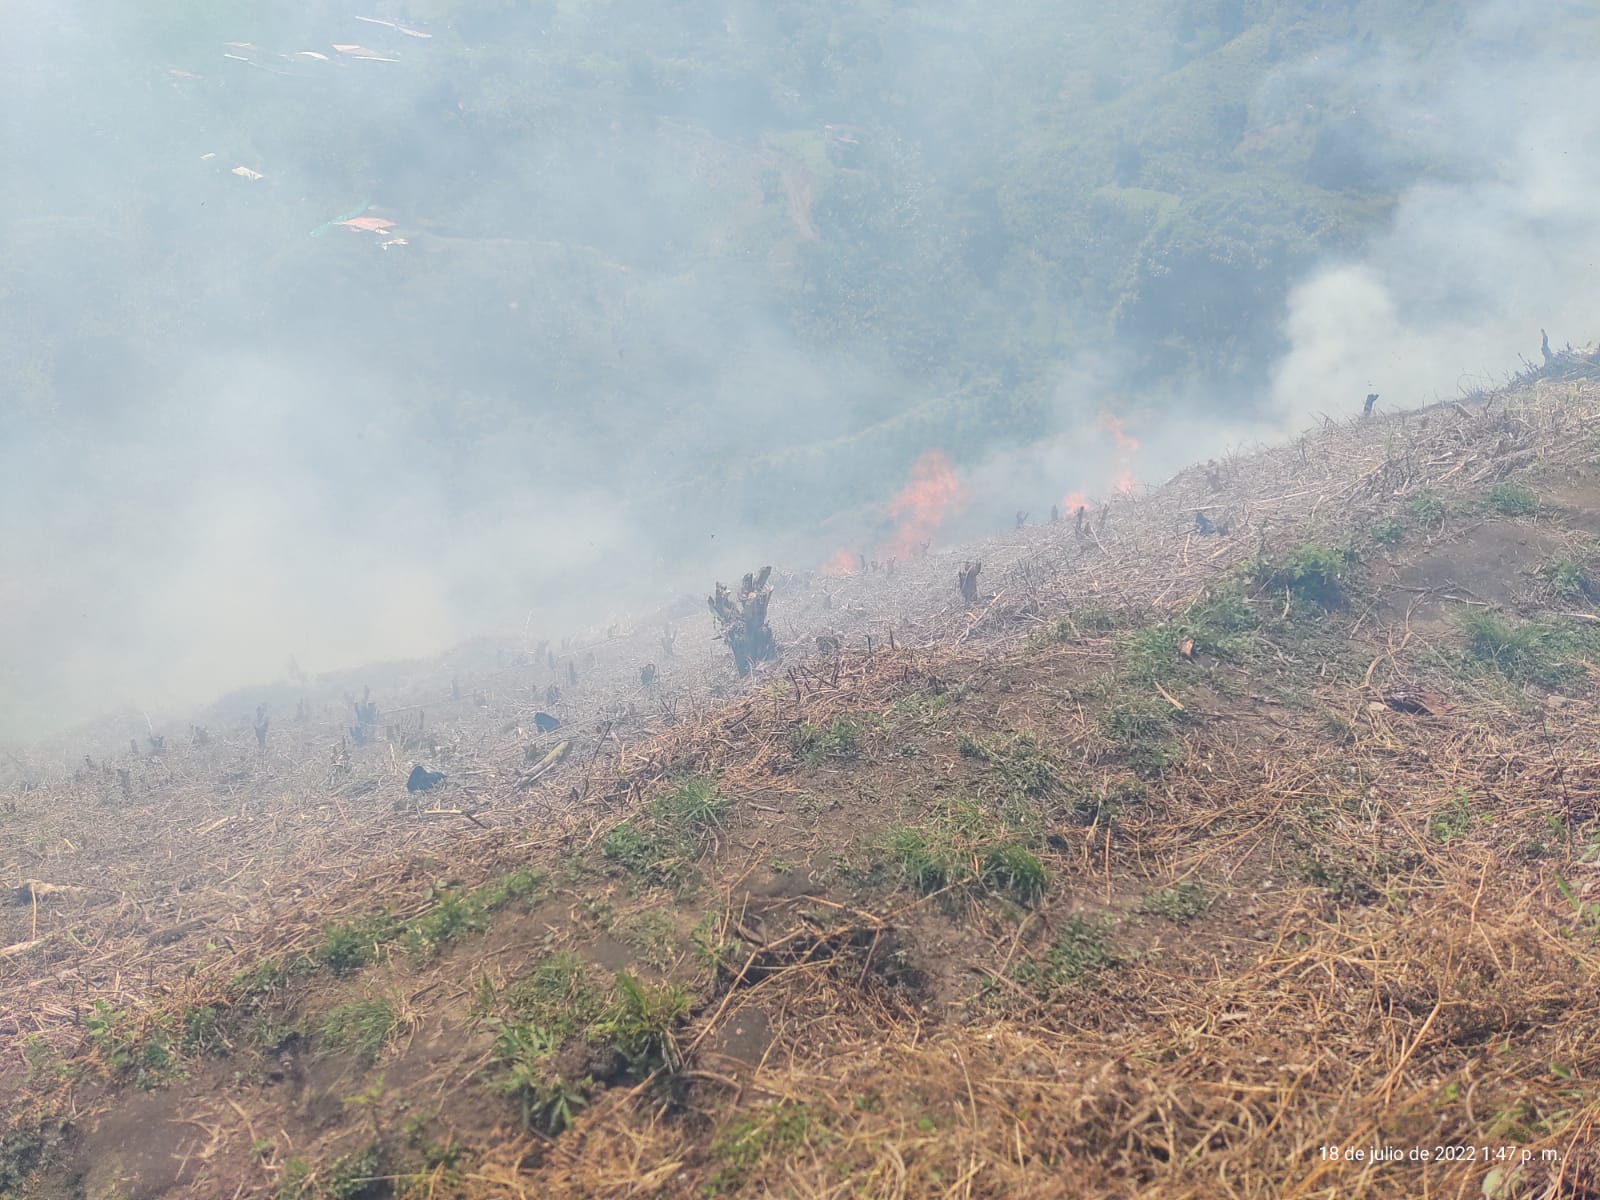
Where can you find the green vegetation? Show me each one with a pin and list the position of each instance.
(44, 1067)
(652, 935)
(455, 915)
(1311, 573)
(639, 1024)
(348, 946)
(25, 1149)
(360, 1176)
(740, 1146)
(1182, 902)
(1021, 761)
(525, 1053)
(1512, 500)
(202, 1030)
(813, 744)
(363, 1026)
(1217, 625)
(1080, 951)
(1092, 805)
(713, 948)
(126, 1046)
(1141, 734)
(1015, 871)
(1569, 579)
(558, 1006)
(961, 847)
(1531, 652)
(1454, 820)
(1388, 532)
(661, 845)
(1089, 621)
(1429, 508)
(557, 996)
(921, 705)
(546, 1009)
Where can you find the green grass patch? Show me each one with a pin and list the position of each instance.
(1454, 821)
(557, 995)
(1512, 500)
(714, 949)
(1182, 902)
(1023, 764)
(348, 946)
(1014, 871)
(920, 706)
(1130, 722)
(126, 1047)
(1429, 508)
(524, 1052)
(640, 1021)
(1313, 574)
(741, 1145)
(1081, 951)
(1388, 532)
(557, 1006)
(1569, 579)
(362, 1026)
(835, 742)
(962, 847)
(1219, 625)
(24, 1150)
(1530, 652)
(1090, 621)
(661, 844)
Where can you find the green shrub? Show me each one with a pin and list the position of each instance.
(1316, 574)
(659, 845)
(739, 1147)
(1569, 579)
(1388, 532)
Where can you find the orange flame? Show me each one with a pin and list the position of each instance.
(1073, 501)
(842, 563)
(932, 493)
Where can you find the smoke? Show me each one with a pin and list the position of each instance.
(652, 325)
(1499, 240)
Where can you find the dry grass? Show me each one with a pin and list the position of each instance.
(1402, 952)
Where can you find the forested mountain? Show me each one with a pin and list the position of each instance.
(623, 274)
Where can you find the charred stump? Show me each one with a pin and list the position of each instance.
(968, 581)
(744, 623)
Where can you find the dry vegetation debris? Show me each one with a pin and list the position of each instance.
(1159, 870)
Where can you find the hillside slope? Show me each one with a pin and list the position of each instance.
(1168, 864)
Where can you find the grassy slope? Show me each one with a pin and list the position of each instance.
(1140, 900)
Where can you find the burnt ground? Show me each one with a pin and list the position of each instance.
(1167, 863)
